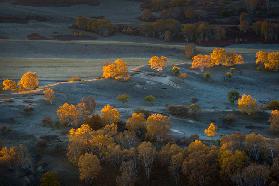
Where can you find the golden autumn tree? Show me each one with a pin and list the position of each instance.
(268, 60)
(49, 95)
(117, 70)
(110, 115)
(201, 62)
(273, 61)
(157, 126)
(136, 122)
(29, 81)
(247, 104)
(9, 85)
(157, 63)
(261, 57)
(68, 114)
(211, 131)
(79, 142)
(274, 121)
(89, 167)
(218, 56)
(233, 59)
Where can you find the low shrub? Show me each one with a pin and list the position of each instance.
(150, 99)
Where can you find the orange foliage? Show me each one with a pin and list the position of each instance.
(218, 56)
(201, 61)
(9, 85)
(157, 126)
(247, 104)
(117, 70)
(29, 80)
(269, 60)
(68, 114)
(211, 130)
(110, 114)
(157, 63)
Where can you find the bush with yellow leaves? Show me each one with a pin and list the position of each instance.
(68, 114)
(247, 104)
(29, 81)
(218, 56)
(136, 122)
(157, 63)
(201, 62)
(49, 95)
(268, 60)
(274, 121)
(9, 85)
(110, 115)
(117, 70)
(211, 131)
(157, 126)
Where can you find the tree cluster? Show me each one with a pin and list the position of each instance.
(217, 57)
(117, 70)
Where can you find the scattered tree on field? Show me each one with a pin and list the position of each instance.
(123, 98)
(247, 104)
(29, 81)
(117, 70)
(211, 130)
(9, 85)
(157, 63)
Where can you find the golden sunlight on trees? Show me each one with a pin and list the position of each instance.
(49, 95)
(268, 60)
(157, 63)
(201, 62)
(89, 167)
(157, 126)
(211, 131)
(110, 115)
(117, 70)
(136, 122)
(68, 114)
(49, 179)
(246, 104)
(147, 154)
(218, 56)
(9, 85)
(29, 81)
(274, 121)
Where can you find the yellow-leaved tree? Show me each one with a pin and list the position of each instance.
(117, 70)
(218, 56)
(211, 131)
(157, 126)
(29, 81)
(136, 122)
(268, 60)
(247, 104)
(110, 115)
(68, 114)
(89, 167)
(157, 63)
(201, 62)
(9, 85)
